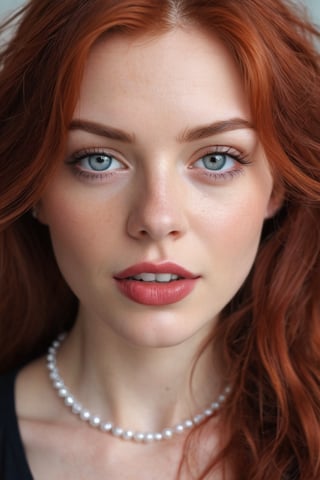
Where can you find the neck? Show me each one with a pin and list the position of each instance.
(143, 388)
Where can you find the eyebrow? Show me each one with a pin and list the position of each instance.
(188, 135)
(204, 131)
(102, 130)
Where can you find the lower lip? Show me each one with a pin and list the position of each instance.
(155, 293)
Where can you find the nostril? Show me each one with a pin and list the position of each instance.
(148, 222)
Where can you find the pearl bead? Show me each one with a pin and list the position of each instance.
(76, 408)
(85, 415)
(62, 392)
(95, 421)
(167, 433)
(179, 428)
(198, 418)
(106, 427)
(117, 431)
(188, 423)
(127, 435)
(58, 384)
(69, 400)
(139, 437)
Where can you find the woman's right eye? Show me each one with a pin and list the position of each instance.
(97, 162)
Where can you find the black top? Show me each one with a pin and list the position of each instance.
(13, 461)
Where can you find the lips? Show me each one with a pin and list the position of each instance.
(155, 284)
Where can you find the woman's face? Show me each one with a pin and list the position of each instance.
(156, 213)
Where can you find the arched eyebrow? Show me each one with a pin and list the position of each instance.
(204, 131)
(188, 135)
(102, 130)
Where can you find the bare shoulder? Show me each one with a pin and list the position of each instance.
(43, 431)
(32, 392)
(35, 406)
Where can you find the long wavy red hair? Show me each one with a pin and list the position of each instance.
(270, 331)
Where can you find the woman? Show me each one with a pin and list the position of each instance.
(160, 192)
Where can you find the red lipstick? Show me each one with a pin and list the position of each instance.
(156, 292)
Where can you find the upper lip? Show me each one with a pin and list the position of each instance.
(149, 267)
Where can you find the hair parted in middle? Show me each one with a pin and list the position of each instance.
(270, 331)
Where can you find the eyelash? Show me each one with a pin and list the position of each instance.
(97, 175)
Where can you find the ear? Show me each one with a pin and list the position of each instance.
(275, 201)
(38, 213)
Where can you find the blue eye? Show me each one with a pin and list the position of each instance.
(99, 162)
(95, 162)
(216, 161)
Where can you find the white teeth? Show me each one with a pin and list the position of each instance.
(146, 277)
(163, 277)
(156, 277)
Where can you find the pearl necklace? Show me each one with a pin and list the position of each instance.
(96, 422)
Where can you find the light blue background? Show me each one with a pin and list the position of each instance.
(313, 5)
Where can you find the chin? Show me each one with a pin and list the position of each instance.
(159, 334)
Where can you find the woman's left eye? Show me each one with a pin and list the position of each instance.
(216, 162)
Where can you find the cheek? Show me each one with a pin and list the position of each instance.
(233, 226)
(80, 230)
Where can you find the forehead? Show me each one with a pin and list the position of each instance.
(183, 70)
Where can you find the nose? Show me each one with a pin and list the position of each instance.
(158, 209)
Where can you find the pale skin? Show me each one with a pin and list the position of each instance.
(156, 201)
